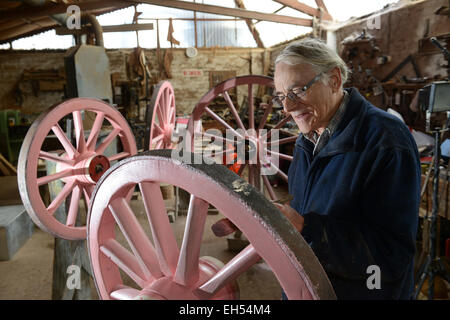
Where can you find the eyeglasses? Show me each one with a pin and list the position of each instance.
(296, 93)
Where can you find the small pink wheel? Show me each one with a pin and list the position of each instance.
(264, 159)
(160, 117)
(157, 268)
(79, 167)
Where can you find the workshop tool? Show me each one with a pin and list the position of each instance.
(160, 269)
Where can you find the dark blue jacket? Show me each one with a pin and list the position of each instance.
(360, 199)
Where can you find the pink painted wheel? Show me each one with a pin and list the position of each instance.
(78, 166)
(160, 117)
(263, 161)
(159, 268)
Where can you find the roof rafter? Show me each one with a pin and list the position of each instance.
(315, 12)
(234, 12)
(251, 25)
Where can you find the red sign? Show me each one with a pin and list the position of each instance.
(193, 73)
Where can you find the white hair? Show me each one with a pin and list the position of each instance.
(317, 54)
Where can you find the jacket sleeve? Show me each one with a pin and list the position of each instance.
(384, 231)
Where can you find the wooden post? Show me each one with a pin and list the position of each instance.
(68, 253)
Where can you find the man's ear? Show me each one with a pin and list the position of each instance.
(335, 79)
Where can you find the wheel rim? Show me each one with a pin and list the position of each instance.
(250, 132)
(160, 269)
(161, 117)
(80, 166)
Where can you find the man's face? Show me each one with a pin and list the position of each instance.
(315, 110)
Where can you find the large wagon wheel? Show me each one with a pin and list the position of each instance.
(162, 270)
(78, 166)
(262, 161)
(160, 117)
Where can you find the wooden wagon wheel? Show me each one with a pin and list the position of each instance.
(265, 159)
(158, 268)
(78, 166)
(160, 117)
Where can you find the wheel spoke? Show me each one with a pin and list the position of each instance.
(235, 267)
(222, 122)
(163, 237)
(171, 114)
(87, 191)
(160, 114)
(53, 157)
(210, 135)
(277, 126)
(159, 144)
(251, 174)
(136, 237)
(119, 156)
(187, 272)
(251, 107)
(157, 139)
(157, 129)
(62, 195)
(124, 293)
(281, 173)
(79, 131)
(241, 168)
(263, 121)
(227, 98)
(95, 131)
(283, 141)
(111, 136)
(71, 151)
(125, 260)
(73, 208)
(269, 187)
(280, 155)
(56, 176)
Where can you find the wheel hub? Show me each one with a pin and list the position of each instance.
(166, 288)
(87, 169)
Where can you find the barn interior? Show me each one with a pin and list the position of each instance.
(108, 82)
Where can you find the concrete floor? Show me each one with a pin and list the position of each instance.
(28, 275)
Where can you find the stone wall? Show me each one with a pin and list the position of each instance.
(188, 89)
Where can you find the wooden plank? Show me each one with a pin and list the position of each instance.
(115, 28)
(234, 12)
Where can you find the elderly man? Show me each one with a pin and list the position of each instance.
(355, 177)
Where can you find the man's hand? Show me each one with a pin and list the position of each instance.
(292, 215)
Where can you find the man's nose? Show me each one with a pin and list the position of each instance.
(288, 105)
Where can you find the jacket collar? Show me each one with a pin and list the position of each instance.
(344, 138)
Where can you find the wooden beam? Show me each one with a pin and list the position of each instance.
(250, 25)
(51, 9)
(234, 12)
(116, 28)
(294, 4)
(13, 33)
(326, 14)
